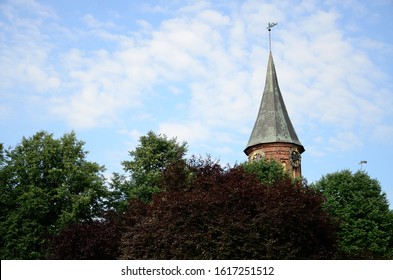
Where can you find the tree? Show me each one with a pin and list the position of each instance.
(210, 212)
(91, 240)
(1, 154)
(356, 200)
(149, 159)
(267, 171)
(46, 183)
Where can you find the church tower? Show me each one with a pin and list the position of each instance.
(273, 135)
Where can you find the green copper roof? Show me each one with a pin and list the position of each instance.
(272, 123)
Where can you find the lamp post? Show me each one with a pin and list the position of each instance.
(361, 163)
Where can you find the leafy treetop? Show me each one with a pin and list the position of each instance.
(45, 184)
(357, 201)
(153, 154)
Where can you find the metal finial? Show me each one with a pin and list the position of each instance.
(269, 28)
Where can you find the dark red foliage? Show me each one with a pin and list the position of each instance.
(208, 212)
(97, 240)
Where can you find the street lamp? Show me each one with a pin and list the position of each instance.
(361, 163)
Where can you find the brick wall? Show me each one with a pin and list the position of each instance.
(277, 151)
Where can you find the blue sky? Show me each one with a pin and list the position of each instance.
(113, 70)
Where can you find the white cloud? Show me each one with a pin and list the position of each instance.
(40, 78)
(213, 60)
(191, 132)
(213, 18)
(24, 49)
(92, 22)
(33, 6)
(146, 7)
(316, 151)
(132, 135)
(193, 7)
(382, 133)
(344, 141)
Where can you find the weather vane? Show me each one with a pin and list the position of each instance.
(269, 28)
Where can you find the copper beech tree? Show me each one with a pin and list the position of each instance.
(94, 240)
(205, 211)
(210, 212)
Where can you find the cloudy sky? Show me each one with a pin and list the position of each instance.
(113, 70)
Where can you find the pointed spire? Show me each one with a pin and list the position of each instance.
(272, 124)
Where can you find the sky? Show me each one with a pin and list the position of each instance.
(113, 70)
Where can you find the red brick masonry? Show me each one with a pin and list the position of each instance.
(277, 151)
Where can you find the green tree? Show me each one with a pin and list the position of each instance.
(45, 184)
(356, 200)
(1, 154)
(148, 160)
(267, 171)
